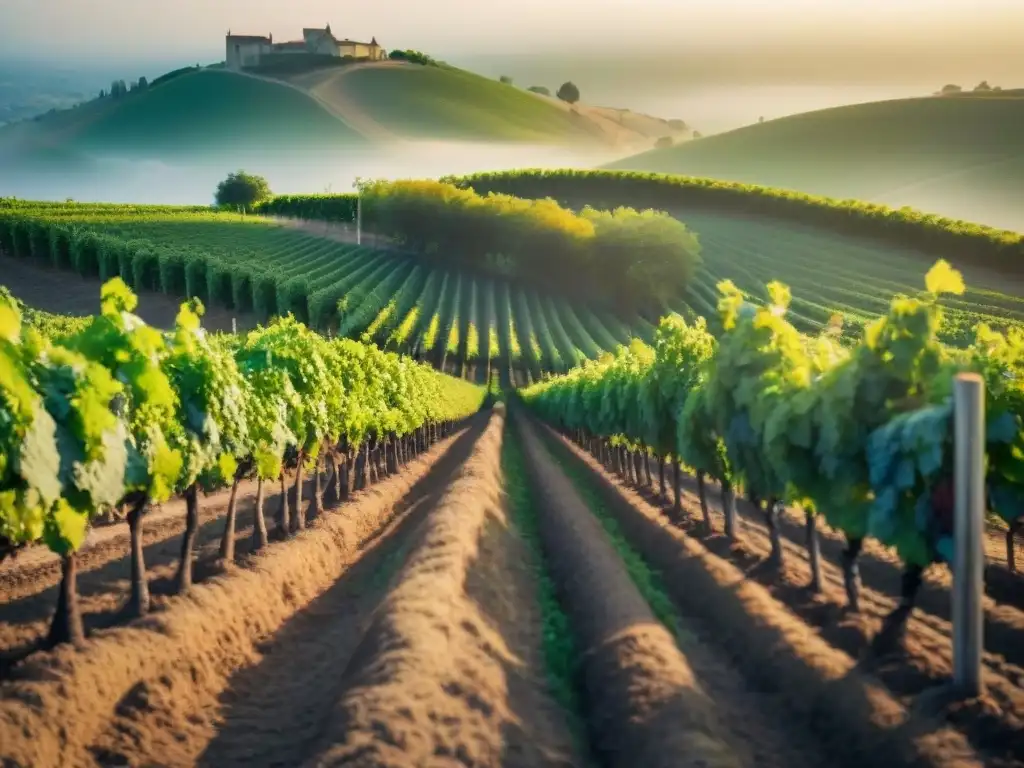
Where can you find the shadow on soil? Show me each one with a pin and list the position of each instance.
(367, 580)
(737, 630)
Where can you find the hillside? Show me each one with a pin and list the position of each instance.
(200, 112)
(959, 157)
(421, 102)
(213, 111)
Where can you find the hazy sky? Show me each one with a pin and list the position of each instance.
(735, 40)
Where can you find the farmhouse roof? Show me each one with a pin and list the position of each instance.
(291, 45)
(249, 38)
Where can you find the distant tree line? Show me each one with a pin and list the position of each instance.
(413, 57)
(951, 89)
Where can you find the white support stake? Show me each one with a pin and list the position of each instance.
(969, 515)
(359, 220)
(234, 326)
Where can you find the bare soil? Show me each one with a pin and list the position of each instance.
(67, 293)
(850, 706)
(147, 693)
(645, 704)
(450, 669)
(923, 659)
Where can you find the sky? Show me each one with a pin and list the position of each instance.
(721, 40)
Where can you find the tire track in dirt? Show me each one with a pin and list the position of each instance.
(814, 685)
(134, 685)
(450, 670)
(645, 705)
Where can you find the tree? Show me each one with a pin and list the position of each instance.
(950, 88)
(569, 93)
(663, 143)
(983, 86)
(143, 83)
(542, 90)
(697, 134)
(242, 190)
(505, 79)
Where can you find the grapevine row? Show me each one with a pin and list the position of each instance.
(861, 434)
(114, 414)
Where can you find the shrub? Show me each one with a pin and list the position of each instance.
(535, 241)
(542, 90)
(413, 57)
(242, 190)
(960, 242)
(664, 142)
(505, 79)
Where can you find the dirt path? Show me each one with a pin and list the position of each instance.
(148, 693)
(797, 657)
(450, 669)
(654, 699)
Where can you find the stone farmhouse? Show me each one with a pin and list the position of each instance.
(251, 50)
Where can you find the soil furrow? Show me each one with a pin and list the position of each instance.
(880, 574)
(923, 659)
(645, 705)
(817, 687)
(123, 698)
(450, 670)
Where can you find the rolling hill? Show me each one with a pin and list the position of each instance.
(961, 157)
(211, 111)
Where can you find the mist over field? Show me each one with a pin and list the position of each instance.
(192, 181)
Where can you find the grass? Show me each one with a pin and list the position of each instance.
(962, 157)
(646, 580)
(447, 103)
(560, 646)
(214, 111)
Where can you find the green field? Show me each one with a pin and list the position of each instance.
(961, 157)
(197, 113)
(419, 102)
(458, 321)
(211, 112)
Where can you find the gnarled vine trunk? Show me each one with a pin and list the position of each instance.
(771, 515)
(138, 602)
(813, 549)
(259, 528)
(66, 626)
(702, 493)
(299, 514)
(851, 572)
(677, 501)
(227, 539)
(183, 579)
(284, 523)
(662, 490)
(729, 509)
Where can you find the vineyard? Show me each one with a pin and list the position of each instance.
(474, 325)
(333, 554)
(830, 274)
